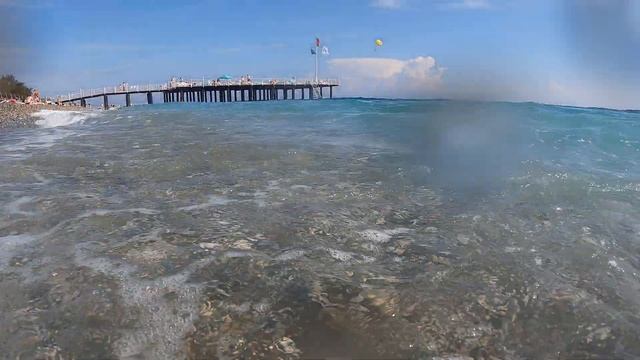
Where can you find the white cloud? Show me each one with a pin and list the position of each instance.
(422, 77)
(446, 4)
(468, 4)
(386, 4)
(417, 77)
(586, 92)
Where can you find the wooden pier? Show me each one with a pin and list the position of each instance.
(212, 91)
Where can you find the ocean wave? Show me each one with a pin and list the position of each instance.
(55, 118)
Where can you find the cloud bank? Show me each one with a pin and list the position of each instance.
(387, 77)
(423, 78)
(386, 4)
(443, 4)
(469, 4)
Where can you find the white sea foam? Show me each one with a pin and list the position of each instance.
(290, 255)
(340, 255)
(14, 207)
(10, 245)
(213, 200)
(161, 324)
(348, 257)
(43, 140)
(55, 118)
(382, 236)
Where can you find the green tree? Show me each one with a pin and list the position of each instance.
(10, 86)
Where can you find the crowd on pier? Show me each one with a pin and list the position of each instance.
(228, 80)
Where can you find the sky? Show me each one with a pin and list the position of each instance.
(572, 52)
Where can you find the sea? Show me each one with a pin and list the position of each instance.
(342, 229)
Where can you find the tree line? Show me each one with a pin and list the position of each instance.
(10, 86)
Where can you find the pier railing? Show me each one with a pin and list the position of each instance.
(260, 81)
(113, 90)
(175, 84)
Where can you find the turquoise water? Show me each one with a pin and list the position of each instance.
(347, 228)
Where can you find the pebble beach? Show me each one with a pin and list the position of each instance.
(21, 115)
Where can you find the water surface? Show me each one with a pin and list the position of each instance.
(348, 228)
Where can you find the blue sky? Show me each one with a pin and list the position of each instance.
(571, 52)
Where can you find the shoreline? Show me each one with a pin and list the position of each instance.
(21, 115)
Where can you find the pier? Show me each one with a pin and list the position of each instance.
(212, 91)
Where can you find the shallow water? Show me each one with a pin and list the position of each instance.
(305, 229)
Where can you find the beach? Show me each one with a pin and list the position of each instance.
(21, 115)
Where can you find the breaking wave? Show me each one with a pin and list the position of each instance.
(55, 118)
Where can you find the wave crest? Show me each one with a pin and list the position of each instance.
(55, 118)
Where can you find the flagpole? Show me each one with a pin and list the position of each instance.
(317, 63)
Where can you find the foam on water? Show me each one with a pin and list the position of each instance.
(161, 324)
(212, 201)
(55, 118)
(382, 236)
(10, 245)
(15, 206)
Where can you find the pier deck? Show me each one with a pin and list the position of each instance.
(212, 91)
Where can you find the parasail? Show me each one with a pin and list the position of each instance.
(378, 42)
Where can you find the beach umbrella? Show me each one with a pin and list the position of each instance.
(225, 77)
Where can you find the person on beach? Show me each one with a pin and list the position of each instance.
(34, 98)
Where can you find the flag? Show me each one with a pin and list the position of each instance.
(313, 51)
(325, 50)
(317, 42)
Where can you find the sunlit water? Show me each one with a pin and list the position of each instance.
(306, 229)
